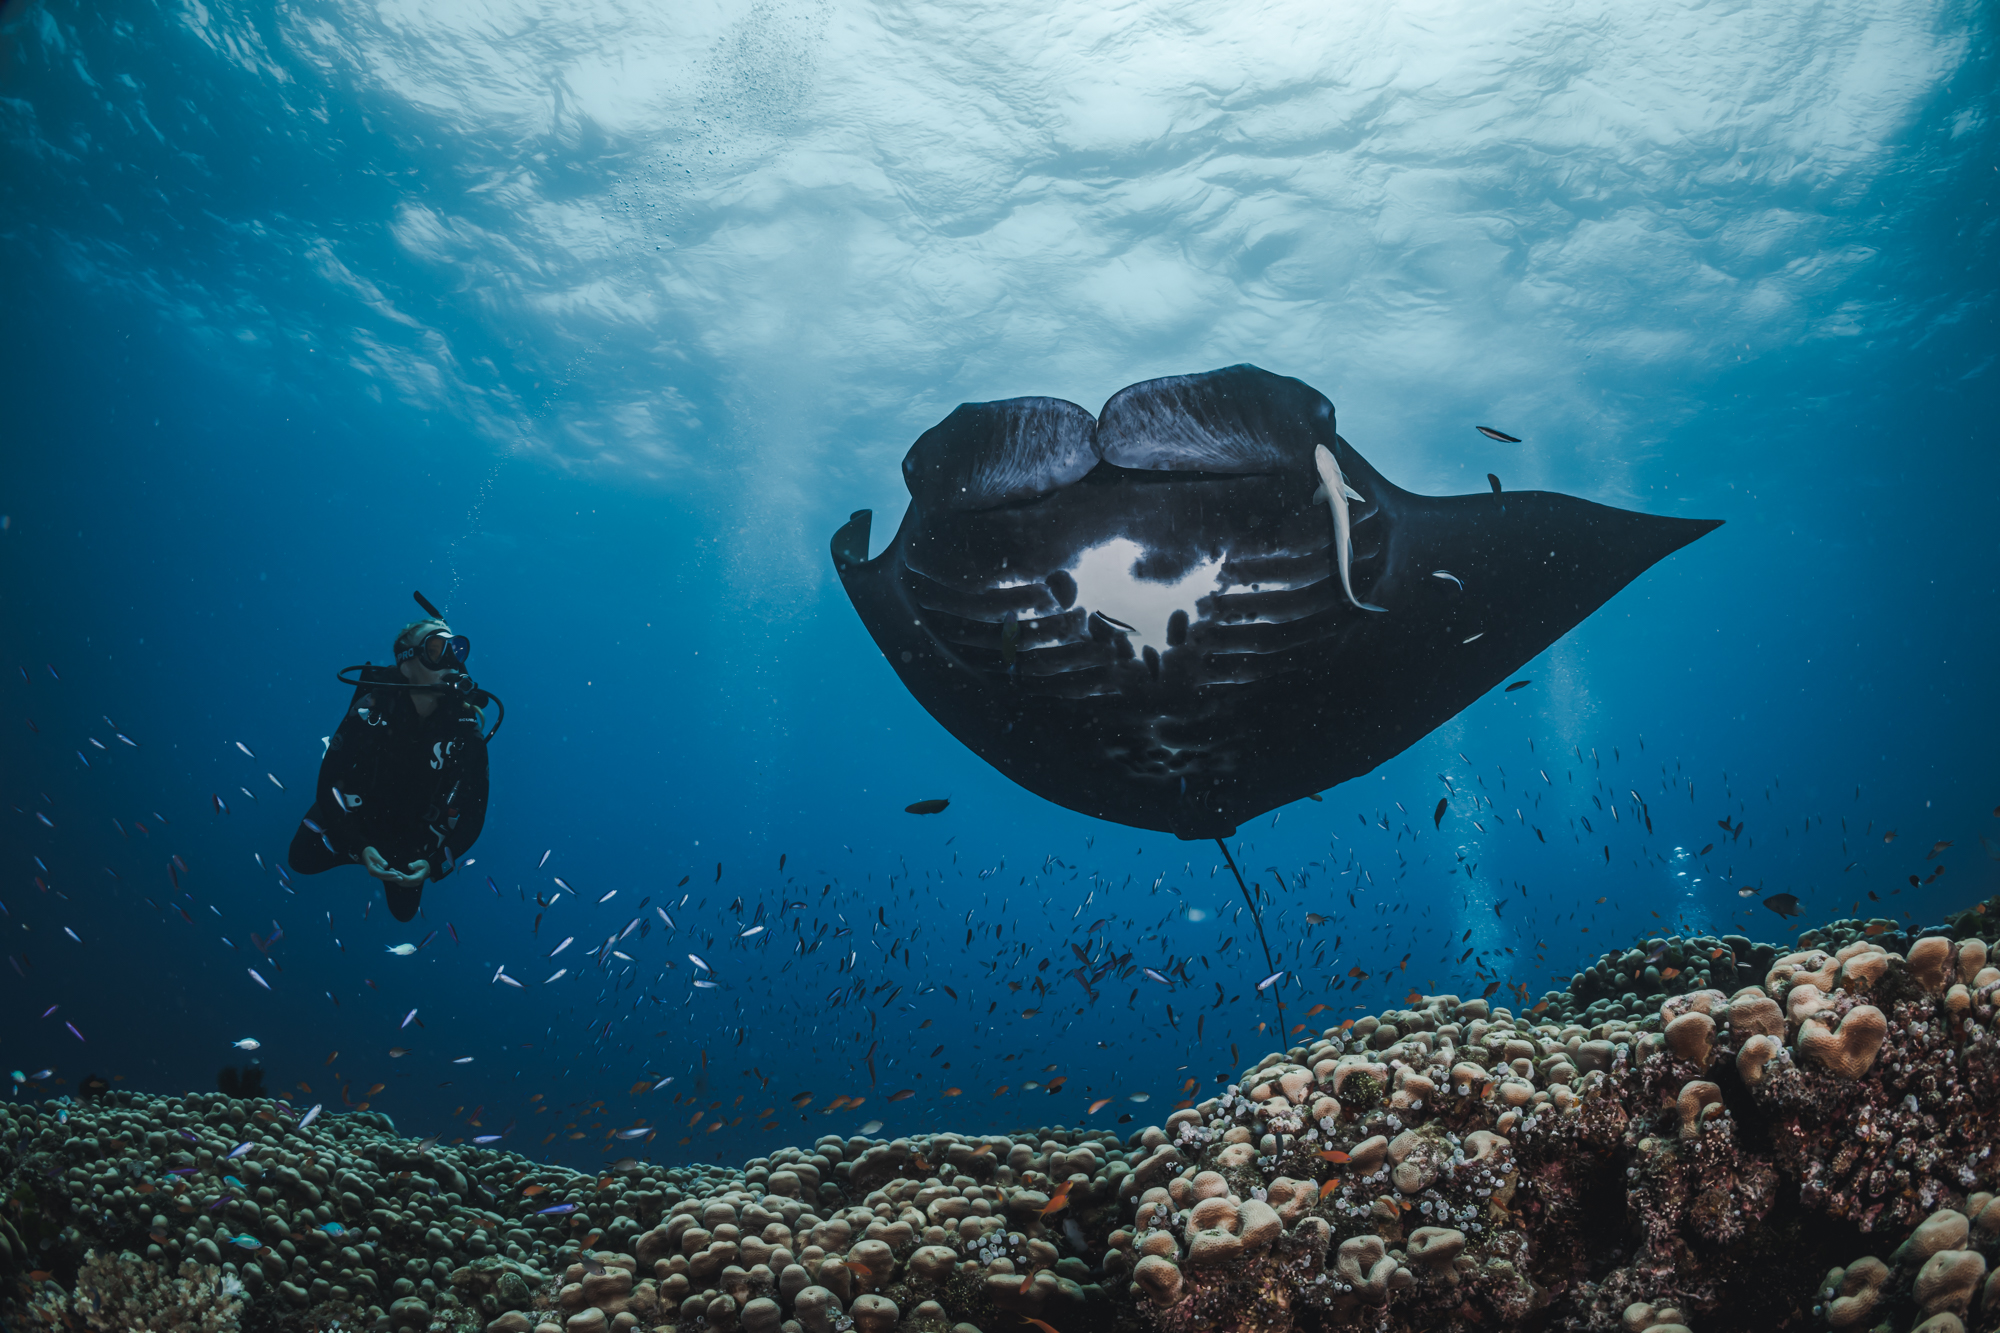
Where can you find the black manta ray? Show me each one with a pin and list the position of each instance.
(1203, 603)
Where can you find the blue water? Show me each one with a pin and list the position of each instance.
(594, 322)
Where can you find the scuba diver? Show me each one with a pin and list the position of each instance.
(402, 787)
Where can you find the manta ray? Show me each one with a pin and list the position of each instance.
(1203, 603)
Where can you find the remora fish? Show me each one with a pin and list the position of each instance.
(1343, 528)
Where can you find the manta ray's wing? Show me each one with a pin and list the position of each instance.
(1525, 568)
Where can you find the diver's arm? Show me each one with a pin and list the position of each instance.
(340, 769)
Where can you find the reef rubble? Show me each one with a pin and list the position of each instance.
(1810, 1147)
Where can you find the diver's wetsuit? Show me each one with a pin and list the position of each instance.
(414, 788)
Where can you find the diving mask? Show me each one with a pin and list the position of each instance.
(439, 650)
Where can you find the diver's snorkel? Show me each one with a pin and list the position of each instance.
(445, 653)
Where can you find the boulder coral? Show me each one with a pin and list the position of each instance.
(1724, 1158)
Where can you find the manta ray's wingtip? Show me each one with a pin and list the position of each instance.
(1692, 529)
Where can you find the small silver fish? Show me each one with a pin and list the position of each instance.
(406, 1019)
(561, 972)
(607, 897)
(463, 1060)
(638, 1133)
(240, 1150)
(247, 1044)
(1447, 574)
(698, 963)
(567, 941)
(486, 1138)
(402, 950)
(1270, 981)
(258, 978)
(310, 1116)
(246, 749)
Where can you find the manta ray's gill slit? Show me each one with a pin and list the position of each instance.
(1106, 583)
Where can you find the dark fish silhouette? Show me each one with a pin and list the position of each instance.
(1437, 815)
(1190, 648)
(927, 807)
(1784, 904)
(1499, 435)
(1493, 483)
(1517, 685)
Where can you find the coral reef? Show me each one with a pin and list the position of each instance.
(115, 1293)
(1810, 1147)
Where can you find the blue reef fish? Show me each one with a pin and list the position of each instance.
(558, 1210)
(247, 1242)
(333, 1228)
(486, 1138)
